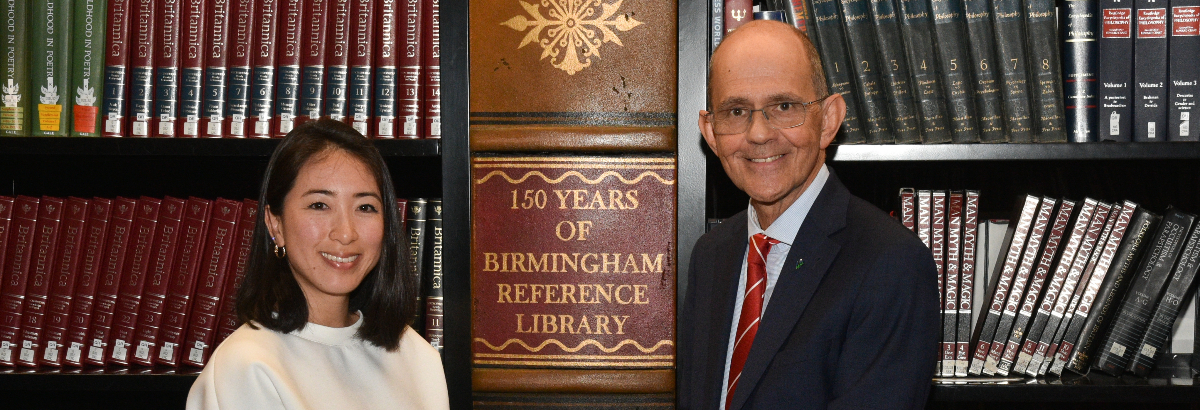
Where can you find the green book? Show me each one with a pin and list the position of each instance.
(50, 66)
(87, 66)
(14, 71)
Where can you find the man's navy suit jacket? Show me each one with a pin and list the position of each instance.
(853, 322)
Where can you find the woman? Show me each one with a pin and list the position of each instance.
(326, 300)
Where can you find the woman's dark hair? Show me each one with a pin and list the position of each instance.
(270, 295)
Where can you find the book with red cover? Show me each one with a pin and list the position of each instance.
(737, 13)
(83, 301)
(130, 279)
(431, 62)
(154, 295)
(262, 79)
(312, 62)
(409, 77)
(216, 61)
(1002, 278)
(144, 40)
(16, 274)
(166, 70)
(173, 325)
(1020, 282)
(245, 239)
(287, 74)
(108, 283)
(6, 212)
(384, 111)
(144, 279)
(337, 58)
(214, 270)
(41, 269)
(362, 56)
(193, 43)
(116, 66)
(908, 208)
(240, 53)
(62, 285)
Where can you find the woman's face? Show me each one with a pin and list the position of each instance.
(331, 225)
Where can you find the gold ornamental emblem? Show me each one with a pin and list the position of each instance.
(573, 31)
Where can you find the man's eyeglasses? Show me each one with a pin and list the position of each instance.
(781, 115)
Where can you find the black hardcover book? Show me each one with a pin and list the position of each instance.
(1001, 282)
(1041, 26)
(432, 275)
(1135, 312)
(954, 245)
(1112, 291)
(1079, 33)
(966, 286)
(984, 71)
(1149, 71)
(917, 33)
(895, 74)
(1185, 79)
(951, 34)
(1116, 71)
(860, 41)
(1008, 22)
(1016, 293)
(1172, 300)
(831, 41)
(418, 211)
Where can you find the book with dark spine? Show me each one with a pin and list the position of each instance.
(133, 279)
(18, 256)
(241, 54)
(831, 40)
(1079, 228)
(312, 62)
(183, 275)
(214, 271)
(228, 321)
(50, 66)
(1116, 71)
(144, 40)
(1045, 71)
(737, 13)
(116, 67)
(908, 208)
(337, 58)
(384, 110)
(1020, 282)
(1116, 283)
(1080, 56)
(262, 78)
(798, 15)
(950, 31)
(1033, 295)
(193, 41)
(87, 71)
(41, 270)
(1009, 23)
(433, 276)
(937, 242)
(1163, 319)
(895, 75)
(1107, 253)
(860, 42)
(416, 240)
(166, 70)
(216, 68)
(954, 211)
(1134, 314)
(967, 284)
(1184, 80)
(1149, 71)
(62, 284)
(158, 280)
(917, 31)
(287, 77)
(1001, 280)
(14, 72)
(6, 213)
(431, 67)
(980, 34)
(362, 56)
(87, 279)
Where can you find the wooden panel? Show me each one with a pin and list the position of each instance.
(573, 381)
(559, 138)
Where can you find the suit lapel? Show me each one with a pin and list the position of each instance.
(724, 292)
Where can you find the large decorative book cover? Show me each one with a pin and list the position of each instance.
(575, 269)
(16, 273)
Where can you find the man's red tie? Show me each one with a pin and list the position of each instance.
(752, 305)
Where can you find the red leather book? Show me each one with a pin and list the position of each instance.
(262, 79)
(6, 212)
(62, 285)
(312, 62)
(143, 264)
(337, 58)
(431, 62)
(193, 43)
(182, 283)
(41, 269)
(130, 283)
(216, 60)
(214, 269)
(386, 58)
(237, 87)
(154, 294)
(287, 75)
(908, 208)
(737, 13)
(362, 56)
(245, 238)
(88, 276)
(166, 71)
(108, 283)
(16, 275)
(144, 28)
(116, 68)
(410, 70)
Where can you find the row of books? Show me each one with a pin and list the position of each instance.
(145, 281)
(1075, 285)
(219, 68)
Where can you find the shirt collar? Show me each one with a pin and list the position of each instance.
(785, 227)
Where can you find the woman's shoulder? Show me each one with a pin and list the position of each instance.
(416, 349)
(247, 345)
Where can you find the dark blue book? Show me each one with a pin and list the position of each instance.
(1080, 49)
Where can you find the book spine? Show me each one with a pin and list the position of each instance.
(50, 65)
(241, 54)
(14, 72)
(895, 69)
(924, 218)
(173, 327)
(166, 79)
(86, 71)
(1080, 50)
(1116, 70)
(41, 270)
(1020, 281)
(950, 301)
(1078, 231)
(202, 323)
(312, 62)
(862, 51)
(362, 55)
(966, 293)
(1159, 332)
(287, 80)
(410, 68)
(384, 114)
(950, 31)
(216, 69)
(193, 42)
(431, 67)
(337, 60)
(228, 322)
(262, 83)
(908, 208)
(799, 14)
(1149, 71)
(737, 13)
(62, 283)
(83, 301)
(433, 279)
(716, 17)
(19, 254)
(109, 281)
(116, 67)
(918, 41)
(986, 86)
(1184, 81)
(1010, 50)
(6, 212)
(141, 72)
(1002, 281)
(1041, 25)
(133, 279)
(416, 242)
(162, 257)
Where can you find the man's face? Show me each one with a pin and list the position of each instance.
(762, 68)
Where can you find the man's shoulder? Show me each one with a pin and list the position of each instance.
(727, 231)
(870, 226)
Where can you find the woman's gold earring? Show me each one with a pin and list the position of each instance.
(280, 251)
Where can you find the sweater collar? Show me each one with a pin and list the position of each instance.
(333, 336)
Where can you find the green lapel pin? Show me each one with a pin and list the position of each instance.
(799, 263)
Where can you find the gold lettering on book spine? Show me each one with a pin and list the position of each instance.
(574, 33)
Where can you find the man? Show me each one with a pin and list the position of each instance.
(811, 298)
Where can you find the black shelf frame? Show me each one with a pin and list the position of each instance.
(1015, 152)
(189, 147)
